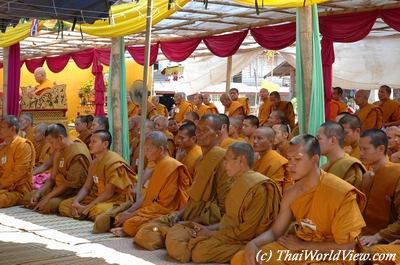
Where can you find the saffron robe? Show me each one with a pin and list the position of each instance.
(337, 107)
(287, 108)
(213, 108)
(228, 141)
(161, 110)
(246, 105)
(251, 207)
(166, 193)
(44, 151)
(17, 160)
(329, 212)
(355, 151)
(283, 148)
(386, 249)
(347, 168)
(391, 110)
(203, 110)
(181, 109)
(84, 136)
(264, 112)
(133, 109)
(191, 158)
(235, 109)
(371, 116)
(43, 87)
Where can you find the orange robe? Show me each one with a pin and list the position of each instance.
(355, 151)
(287, 108)
(133, 109)
(337, 107)
(44, 151)
(235, 109)
(391, 110)
(191, 158)
(204, 109)
(387, 249)
(43, 87)
(84, 136)
(17, 160)
(166, 193)
(228, 141)
(213, 108)
(170, 143)
(181, 109)
(264, 112)
(151, 110)
(283, 148)
(161, 110)
(371, 116)
(246, 105)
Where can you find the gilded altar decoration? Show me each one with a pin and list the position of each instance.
(54, 98)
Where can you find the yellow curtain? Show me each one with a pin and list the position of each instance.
(130, 18)
(281, 3)
(14, 35)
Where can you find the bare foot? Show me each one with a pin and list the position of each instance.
(119, 232)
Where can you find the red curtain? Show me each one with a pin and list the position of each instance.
(32, 64)
(83, 59)
(103, 55)
(275, 37)
(57, 63)
(391, 17)
(225, 45)
(99, 87)
(137, 53)
(13, 79)
(178, 51)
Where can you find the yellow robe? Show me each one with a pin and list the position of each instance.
(191, 158)
(287, 108)
(166, 193)
(251, 207)
(133, 110)
(235, 109)
(391, 110)
(228, 141)
(161, 110)
(371, 116)
(273, 165)
(283, 148)
(17, 160)
(246, 105)
(44, 151)
(347, 168)
(264, 112)
(43, 87)
(151, 110)
(355, 151)
(111, 169)
(337, 107)
(170, 143)
(386, 249)
(203, 110)
(329, 212)
(84, 136)
(213, 108)
(183, 108)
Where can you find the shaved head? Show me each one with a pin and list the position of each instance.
(215, 120)
(267, 132)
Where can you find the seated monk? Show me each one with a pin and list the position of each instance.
(191, 116)
(391, 249)
(200, 108)
(26, 127)
(352, 128)
(276, 117)
(393, 144)
(371, 116)
(100, 123)
(151, 110)
(225, 139)
(161, 125)
(265, 106)
(43, 161)
(234, 94)
(337, 105)
(235, 128)
(281, 142)
(285, 106)
(70, 167)
(108, 183)
(182, 106)
(209, 104)
(395, 157)
(17, 161)
(207, 196)
(166, 191)
(270, 163)
(173, 127)
(250, 125)
(188, 152)
(44, 84)
(381, 185)
(232, 108)
(82, 127)
(326, 210)
(133, 108)
(331, 140)
(252, 205)
(390, 107)
(161, 109)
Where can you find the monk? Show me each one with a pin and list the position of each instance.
(100, 123)
(108, 183)
(43, 160)
(235, 128)
(370, 115)
(381, 185)
(17, 161)
(270, 163)
(82, 127)
(44, 84)
(200, 108)
(388, 249)
(393, 145)
(149, 127)
(225, 139)
(209, 104)
(352, 128)
(26, 127)
(161, 124)
(166, 191)
(188, 152)
(331, 139)
(252, 205)
(207, 197)
(281, 141)
(276, 117)
(133, 108)
(90, 119)
(181, 107)
(326, 210)
(70, 168)
(285, 106)
(265, 107)
(336, 104)
(250, 125)
(232, 108)
(191, 116)
(161, 109)
(390, 108)
(234, 94)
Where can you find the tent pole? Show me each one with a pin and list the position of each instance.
(143, 107)
(292, 83)
(228, 73)
(6, 51)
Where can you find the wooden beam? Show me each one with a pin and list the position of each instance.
(6, 52)
(115, 92)
(228, 73)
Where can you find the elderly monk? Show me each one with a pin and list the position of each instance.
(285, 106)
(200, 108)
(326, 210)
(352, 128)
(70, 167)
(225, 139)
(252, 205)
(161, 109)
(276, 117)
(44, 84)
(26, 126)
(235, 128)
(188, 152)
(393, 145)
(181, 107)
(173, 126)
(331, 139)
(381, 185)
(250, 125)
(161, 124)
(82, 127)
(17, 161)
(206, 203)
(209, 104)
(166, 191)
(133, 108)
(281, 141)
(270, 162)
(265, 106)
(43, 161)
(336, 104)
(232, 108)
(390, 108)
(108, 183)
(100, 123)
(234, 94)
(371, 116)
